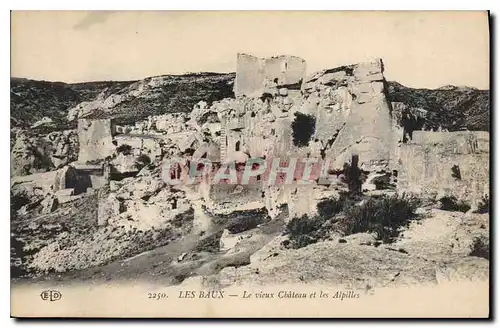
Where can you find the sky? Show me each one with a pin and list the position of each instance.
(419, 49)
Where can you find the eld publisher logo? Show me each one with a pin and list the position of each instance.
(51, 295)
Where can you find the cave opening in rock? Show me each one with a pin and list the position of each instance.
(303, 128)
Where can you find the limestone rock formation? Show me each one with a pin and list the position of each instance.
(33, 154)
(427, 161)
(64, 147)
(236, 234)
(354, 114)
(95, 140)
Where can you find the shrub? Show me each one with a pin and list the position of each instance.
(124, 149)
(18, 200)
(450, 203)
(332, 206)
(304, 231)
(480, 249)
(352, 176)
(484, 205)
(95, 161)
(210, 244)
(142, 161)
(383, 216)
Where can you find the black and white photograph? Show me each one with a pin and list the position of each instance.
(322, 164)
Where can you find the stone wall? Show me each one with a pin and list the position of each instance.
(95, 139)
(461, 142)
(256, 76)
(426, 165)
(353, 115)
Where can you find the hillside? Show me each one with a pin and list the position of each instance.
(157, 95)
(453, 108)
(31, 100)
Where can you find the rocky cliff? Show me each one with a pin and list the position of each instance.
(262, 233)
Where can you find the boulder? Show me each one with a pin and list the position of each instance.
(44, 121)
(49, 204)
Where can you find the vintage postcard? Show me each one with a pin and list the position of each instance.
(258, 164)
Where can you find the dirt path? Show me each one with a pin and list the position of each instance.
(159, 265)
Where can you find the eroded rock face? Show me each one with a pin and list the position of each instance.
(65, 147)
(334, 114)
(439, 164)
(95, 140)
(353, 113)
(32, 154)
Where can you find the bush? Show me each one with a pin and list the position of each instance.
(142, 161)
(352, 176)
(18, 200)
(383, 216)
(304, 231)
(124, 149)
(480, 249)
(484, 205)
(332, 206)
(450, 203)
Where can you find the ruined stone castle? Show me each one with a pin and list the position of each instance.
(280, 111)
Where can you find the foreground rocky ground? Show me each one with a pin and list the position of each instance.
(91, 203)
(437, 247)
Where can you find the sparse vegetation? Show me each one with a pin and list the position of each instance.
(484, 205)
(142, 161)
(384, 216)
(450, 203)
(303, 231)
(18, 200)
(352, 176)
(480, 249)
(210, 244)
(452, 108)
(330, 207)
(124, 149)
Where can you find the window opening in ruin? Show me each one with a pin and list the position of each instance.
(174, 203)
(237, 146)
(303, 128)
(455, 172)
